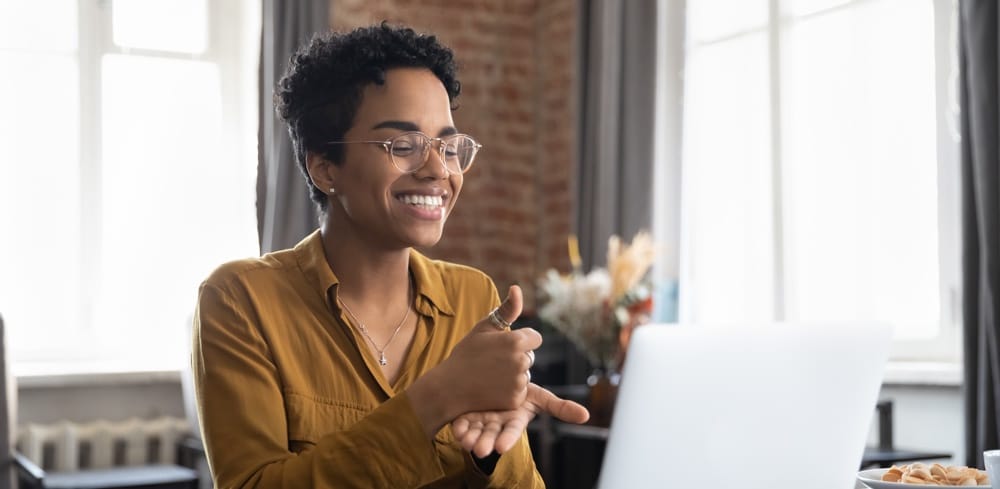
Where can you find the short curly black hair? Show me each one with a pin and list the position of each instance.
(320, 92)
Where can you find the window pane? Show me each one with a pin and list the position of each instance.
(806, 7)
(165, 25)
(39, 201)
(38, 25)
(727, 223)
(175, 198)
(712, 19)
(860, 167)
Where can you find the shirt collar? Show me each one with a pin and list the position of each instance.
(426, 277)
(429, 283)
(312, 262)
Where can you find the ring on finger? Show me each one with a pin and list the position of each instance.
(527, 373)
(531, 356)
(498, 321)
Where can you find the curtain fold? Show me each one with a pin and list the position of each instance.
(980, 86)
(615, 176)
(284, 212)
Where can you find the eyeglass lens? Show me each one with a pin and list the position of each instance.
(410, 151)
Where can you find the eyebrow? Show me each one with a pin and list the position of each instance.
(409, 126)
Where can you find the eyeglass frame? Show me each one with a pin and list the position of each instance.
(387, 146)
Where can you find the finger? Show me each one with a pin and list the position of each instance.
(526, 339)
(472, 436)
(563, 409)
(511, 307)
(487, 439)
(459, 427)
(509, 436)
(509, 311)
(489, 325)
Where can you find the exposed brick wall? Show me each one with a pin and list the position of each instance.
(517, 64)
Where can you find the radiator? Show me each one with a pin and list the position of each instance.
(67, 446)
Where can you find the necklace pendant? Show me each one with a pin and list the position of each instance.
(382, 360)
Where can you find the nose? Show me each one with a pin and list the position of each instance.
(434, 165)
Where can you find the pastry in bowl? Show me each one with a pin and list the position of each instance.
(936, 475)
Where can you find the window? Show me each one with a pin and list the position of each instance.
(127, 173)
(820, 166)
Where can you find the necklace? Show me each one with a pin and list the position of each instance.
(364, 329)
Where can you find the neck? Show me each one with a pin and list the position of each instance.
(368, 275)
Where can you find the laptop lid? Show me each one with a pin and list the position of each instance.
(755, 407)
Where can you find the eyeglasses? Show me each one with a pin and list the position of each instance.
(409, 151)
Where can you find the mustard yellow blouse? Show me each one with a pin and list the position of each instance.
(289, 395)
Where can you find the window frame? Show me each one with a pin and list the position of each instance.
(945, 348)
(225, 42)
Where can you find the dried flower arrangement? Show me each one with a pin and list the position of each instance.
(596, 311)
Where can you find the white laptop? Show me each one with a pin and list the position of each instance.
(778, 406)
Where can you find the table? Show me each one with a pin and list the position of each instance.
(886, 457)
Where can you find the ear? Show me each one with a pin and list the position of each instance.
(321, 171)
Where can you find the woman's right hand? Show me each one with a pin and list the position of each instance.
(488, 368)
(486, 371)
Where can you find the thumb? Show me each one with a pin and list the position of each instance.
(511, 307)
(563, 409)
(509, 311)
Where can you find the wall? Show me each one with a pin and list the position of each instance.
(516, 64)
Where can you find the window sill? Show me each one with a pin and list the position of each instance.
(69, 375)
(936, 374)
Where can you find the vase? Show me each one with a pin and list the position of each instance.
(601, 396)
(639, 314)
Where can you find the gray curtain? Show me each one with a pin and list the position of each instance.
(618, 60)
(284, 212)
(979, 40)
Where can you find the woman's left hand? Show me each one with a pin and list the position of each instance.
(485, 431)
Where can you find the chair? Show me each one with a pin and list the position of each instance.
(193, 447)
(8, 419)
(19, 471)
(885, 453)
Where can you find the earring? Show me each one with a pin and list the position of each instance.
(332, 190)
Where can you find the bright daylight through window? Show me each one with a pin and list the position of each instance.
(820, 167)
(127, 172)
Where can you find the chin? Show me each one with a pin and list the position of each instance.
(424, 238)
(426, 241)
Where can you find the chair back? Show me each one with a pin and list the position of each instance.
(8, 414)
(187, 385)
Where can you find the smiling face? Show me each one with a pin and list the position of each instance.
(383, 206)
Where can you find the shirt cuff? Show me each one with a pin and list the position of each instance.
(487, 464)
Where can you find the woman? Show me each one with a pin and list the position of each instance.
(352, 360)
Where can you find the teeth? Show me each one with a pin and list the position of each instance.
(430, 201)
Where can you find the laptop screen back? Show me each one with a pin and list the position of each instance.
(754, 407)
